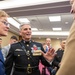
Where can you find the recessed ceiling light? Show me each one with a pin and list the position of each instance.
(66, 22)
(54, 18)
(23, 20)
(57, 28)
(51, 33)
(34, 29)
(13, 22)
(40, 29)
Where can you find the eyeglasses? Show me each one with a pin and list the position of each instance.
(6, 23)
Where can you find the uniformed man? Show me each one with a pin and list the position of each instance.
(58, 57)
(26, 55)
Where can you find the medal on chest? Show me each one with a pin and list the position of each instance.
(36, 51)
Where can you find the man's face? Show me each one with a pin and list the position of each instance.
(48, 41)
(25, 32)
(3, 26)
(63, 44)
(13, 41)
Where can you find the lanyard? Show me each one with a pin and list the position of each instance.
(24, 49)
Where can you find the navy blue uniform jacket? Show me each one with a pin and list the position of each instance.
(17, 55)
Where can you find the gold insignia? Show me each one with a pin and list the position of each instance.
(18, 55)
(28, 65)
(28, 51)
(28, 58)
(18, 50)
(27, 45)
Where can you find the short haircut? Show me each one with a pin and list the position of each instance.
(26, 23)
(14, 37)
(48, 39)
(3, 14)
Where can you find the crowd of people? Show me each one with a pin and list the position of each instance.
(21, 53)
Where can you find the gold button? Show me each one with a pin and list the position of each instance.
(28, 58)
(18, 55)
(28, 51)
(27, 45)
(29, 65)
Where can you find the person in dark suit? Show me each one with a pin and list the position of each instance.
(25, 57)
(4, 26)
(58, 57)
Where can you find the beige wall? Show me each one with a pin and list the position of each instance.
(55, 42)
(5, 40)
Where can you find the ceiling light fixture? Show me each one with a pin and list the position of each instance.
(13, 3)
(23, 20)
(54, 18)
(66, 22)
(56, 29)
(40, 29)
(34, 29)
(13, 22)
(51, 33)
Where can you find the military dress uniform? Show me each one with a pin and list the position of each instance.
(21, 54)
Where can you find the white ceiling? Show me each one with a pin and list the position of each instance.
(4, 4)
(38, 15)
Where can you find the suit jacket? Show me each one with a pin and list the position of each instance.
(21, 59)
(68, 62)
(2, 66)
(5, 51)
(58, 58)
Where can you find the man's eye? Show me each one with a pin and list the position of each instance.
(25, 29)
(29, 28)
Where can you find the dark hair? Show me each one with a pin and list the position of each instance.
(0, 38)
(14, 37)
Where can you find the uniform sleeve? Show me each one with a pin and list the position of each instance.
(55, 62)
(68, 62)
(9, 61)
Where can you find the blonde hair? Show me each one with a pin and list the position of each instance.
(3, 14)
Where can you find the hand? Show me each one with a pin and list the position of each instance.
(59, 64)
(49, 55)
